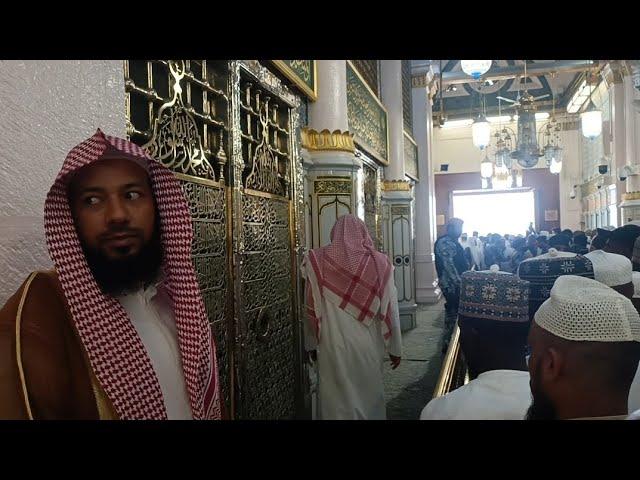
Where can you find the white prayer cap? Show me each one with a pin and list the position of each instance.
(609, 268)
(544, 233)
(495, 268)
(553, 253)
(583, 310)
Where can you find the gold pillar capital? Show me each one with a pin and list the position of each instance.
(631, 196)
(396, 186)
(326, 140)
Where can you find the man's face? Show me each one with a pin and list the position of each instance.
(542, 373)
(113, 208)
(115, 217)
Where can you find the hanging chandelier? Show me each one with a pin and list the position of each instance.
(480, 129)
(527, 151)
(481, 132)
(591, 123)
(552, 150)
(486, 168)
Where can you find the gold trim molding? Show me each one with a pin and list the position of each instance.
(630, 196)
(396, 186)
(311, 92)
(332, 187)
(400, 210)
(419, 81)
(326, 140)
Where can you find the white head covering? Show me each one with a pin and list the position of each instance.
(609, 268)
(553, 253)
(581, 309)
(544, 233)
(495, 268)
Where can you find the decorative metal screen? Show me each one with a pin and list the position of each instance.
(372, 203)
(267, 320)
(369, 69)
(178, 110)
(406, 96)
(228, 131)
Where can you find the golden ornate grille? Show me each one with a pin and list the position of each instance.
(225, 129)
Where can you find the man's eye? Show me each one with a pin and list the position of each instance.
(91, 200)
(133, 195)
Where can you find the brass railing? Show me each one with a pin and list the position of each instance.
(454, 369)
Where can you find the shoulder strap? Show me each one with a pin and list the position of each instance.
(23, 382)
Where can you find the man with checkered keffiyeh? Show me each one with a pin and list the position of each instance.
(352, 319)
(118, 329)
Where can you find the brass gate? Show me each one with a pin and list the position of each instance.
(228, 130)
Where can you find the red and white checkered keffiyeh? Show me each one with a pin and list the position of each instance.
(350, 273)
(116, 353)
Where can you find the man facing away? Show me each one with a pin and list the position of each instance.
(352, 318)
(118, 329)
(494, 323)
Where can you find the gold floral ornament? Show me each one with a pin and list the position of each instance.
(176, 142)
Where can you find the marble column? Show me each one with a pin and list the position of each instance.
(397, 197)
(427, 290)
(631, 199)
(331, 168)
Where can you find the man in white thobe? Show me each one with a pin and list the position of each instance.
(352, 317)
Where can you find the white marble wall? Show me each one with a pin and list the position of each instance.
(46, 107)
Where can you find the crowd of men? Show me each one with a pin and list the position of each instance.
(549, 323)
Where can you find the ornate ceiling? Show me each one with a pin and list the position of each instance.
(461, 97)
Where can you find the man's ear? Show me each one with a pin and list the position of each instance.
(552, 364)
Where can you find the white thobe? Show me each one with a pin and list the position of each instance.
(350, 362)
(493, 395)
(152, 316)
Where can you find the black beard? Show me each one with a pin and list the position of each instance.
(117, 277)
(541, 408)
